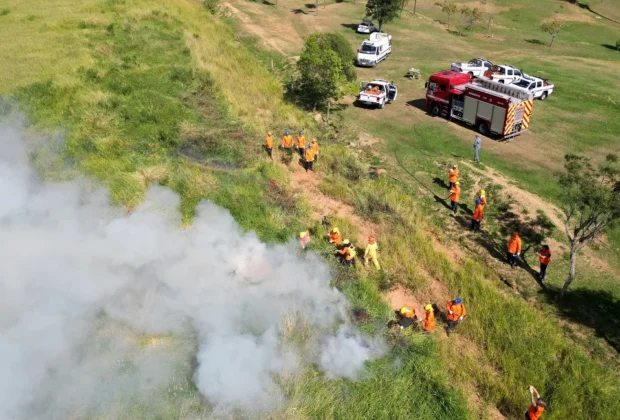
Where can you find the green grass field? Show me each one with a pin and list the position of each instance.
(159, 92)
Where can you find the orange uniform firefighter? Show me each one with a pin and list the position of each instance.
(545, 258)
(456, 313)
(269, 145)
(287, 141)
(476, 219)
(483, 199)
(350, 253)
(429, 318)
(453, 176)
(315, 147)
(309, 158)
(406, 316)
(455, 193)
(301, 143)
(304, 239)
(334, 237)
(514, 249)
(537, 407)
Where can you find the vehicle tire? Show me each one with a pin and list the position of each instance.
(544, 96)
(374, 64)
(381, 105)
(483, 128)
(435, 110)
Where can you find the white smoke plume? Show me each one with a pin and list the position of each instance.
(100, 308)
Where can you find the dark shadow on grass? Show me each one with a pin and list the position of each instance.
(610, 47)
(299, 11)
(310, 5)
(418, 103)
(358, 104)
(465, 209)
(350, 26)
(441, 183)
(268, 3)
(596, 309)
(535, 41)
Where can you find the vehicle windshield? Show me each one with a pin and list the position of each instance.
(368, 49)
(432, 86)
(523, 83)
(365, 24)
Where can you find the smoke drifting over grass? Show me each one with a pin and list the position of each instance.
(100, 309)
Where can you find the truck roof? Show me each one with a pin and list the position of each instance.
(450, 77)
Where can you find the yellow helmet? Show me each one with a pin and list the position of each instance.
(404, 310)
(302, 234)
(429, 307)
(457, 183)
(346, 242)
(482, 192)
(335, 230)
(454, 166)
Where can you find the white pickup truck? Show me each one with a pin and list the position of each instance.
(474, 67)
(541, 88)
(503, 74)
(376, 48)
(377, 93)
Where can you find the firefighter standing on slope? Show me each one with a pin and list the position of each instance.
(537, 407)
(456, 312)
(545, 258)
(304, 239)
(453, 176)
(301, 143)
(287, 142)
(476, 218)
(429, 318)
(455, 192)
(269, 145)
(514, 249)
(371, 253)
(315, 147)
(309, 158)
(483, 199)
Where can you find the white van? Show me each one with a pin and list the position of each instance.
(376, 48)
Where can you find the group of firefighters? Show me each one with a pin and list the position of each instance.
(346, 252)
(514, 245)
(455, 314)
(308, 153)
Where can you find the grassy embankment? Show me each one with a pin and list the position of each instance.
(562, 132)
(150, 92)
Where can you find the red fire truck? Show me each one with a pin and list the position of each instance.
(493, 108)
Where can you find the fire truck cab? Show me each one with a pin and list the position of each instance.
(493, 108)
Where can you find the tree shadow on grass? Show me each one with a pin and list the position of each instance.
(535, 41)
(310, 6)
(441, 183)
(299, 11)
(610, 47)
(268, 3)
(596, 309)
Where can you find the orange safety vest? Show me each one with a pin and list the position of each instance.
(483, 202)
(315, 147)
(301, 142)
(535, 411)
(309, 154)
(349, 253)
(269, 142)
(455, 192)
(458, 310)
(514, 246)
(453, 175)
(545, 256)
(477, 213)
(335, 238)
(429, 321)
(287, 141)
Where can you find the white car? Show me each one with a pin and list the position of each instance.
(475, 67)
(366, 27)
(503, 74)
(541, 88)
(374, 49)
(377, 93)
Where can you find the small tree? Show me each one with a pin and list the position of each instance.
(321, 70)
(590, 202)
(552, 27)
(469, 16)
(618, 45)
(383, 11)
(449, 9)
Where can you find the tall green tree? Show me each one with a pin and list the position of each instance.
(449, 9)
(590, 203)
(325, 65)
(553, 28)
(383, 11)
